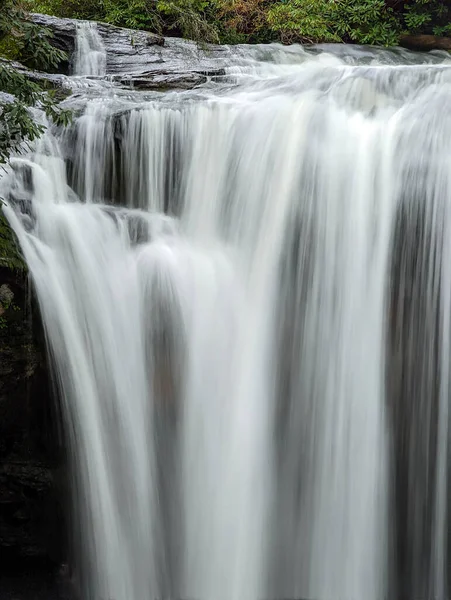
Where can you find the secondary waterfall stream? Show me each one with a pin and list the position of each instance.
(90, 54)
(246, 291)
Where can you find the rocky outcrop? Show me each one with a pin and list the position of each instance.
(144, 59)
(118, 41)
(49, 81)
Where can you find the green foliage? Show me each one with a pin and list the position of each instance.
(244, 21)
(188, 17)
(304, 21)
(9, 48)
(361, 21)
(36, 51)
(183, 17)
(428, 16)
(135, 14)
(32, 43)
(415, 19)
(33, 47)
(367, 22)
(17, 123)
(378, 22)
(72, 9)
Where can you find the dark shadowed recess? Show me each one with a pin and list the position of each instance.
(32, 463)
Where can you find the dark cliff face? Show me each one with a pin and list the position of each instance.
(31, 461)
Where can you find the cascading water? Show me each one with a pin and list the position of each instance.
(90, 54)
(247, 300)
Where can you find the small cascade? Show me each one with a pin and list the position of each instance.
(90, 54)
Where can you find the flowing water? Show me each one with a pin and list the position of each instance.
(246, 291)
(90, 55)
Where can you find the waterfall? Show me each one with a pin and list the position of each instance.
(246, 294)
(90, 54)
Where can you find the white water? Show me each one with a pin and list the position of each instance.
(223, 367)
(90, 54)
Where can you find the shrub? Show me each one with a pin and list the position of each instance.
(428, 16)
(244, 21)
(377, 22)
(361, 21)
(69, 9)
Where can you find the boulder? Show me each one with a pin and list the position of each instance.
(425, 43)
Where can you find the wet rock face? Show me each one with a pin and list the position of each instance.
(119, 42)
(149, 60)
(31, 461)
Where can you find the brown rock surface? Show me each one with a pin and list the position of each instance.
(426, 42)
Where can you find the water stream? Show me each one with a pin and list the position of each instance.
(90, 55)
(246, 291)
